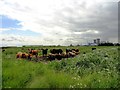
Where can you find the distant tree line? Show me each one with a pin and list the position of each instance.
(109, 44)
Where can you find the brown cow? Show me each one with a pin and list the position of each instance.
(21, 55)
(33, 52)
(24, 55)
(29, 56)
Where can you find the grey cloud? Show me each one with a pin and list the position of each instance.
(9, 39)
(103, 18)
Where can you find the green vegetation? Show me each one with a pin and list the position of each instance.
(90, 69)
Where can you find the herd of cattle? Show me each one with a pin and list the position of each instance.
(54, 54)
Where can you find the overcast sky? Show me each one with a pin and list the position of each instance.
(58, 22)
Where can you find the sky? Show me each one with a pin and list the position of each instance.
(58, 22)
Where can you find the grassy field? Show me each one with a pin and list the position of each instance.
(90, 69)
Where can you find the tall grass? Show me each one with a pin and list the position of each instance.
(92, 69)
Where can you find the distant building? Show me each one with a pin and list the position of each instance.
(98, 41)
(95, 41)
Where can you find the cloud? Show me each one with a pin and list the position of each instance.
(30, 40)
(64, 21)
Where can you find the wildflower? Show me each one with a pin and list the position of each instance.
(98, 80)
(74, 77)
(109, 72)
(80, 84)
(114, 67)
(98, 72)
(84, 85)
(71, 86)
(107, 69)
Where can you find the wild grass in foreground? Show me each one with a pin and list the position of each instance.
(94, 69)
